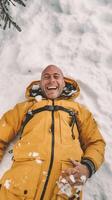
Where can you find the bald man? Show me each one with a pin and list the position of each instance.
(59, 145)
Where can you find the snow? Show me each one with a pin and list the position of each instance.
(72, 178)
(77, 36)
(38, 161)
(45, 173)
(7, 183)
(38, 98)
(65, 189)
(33, 154)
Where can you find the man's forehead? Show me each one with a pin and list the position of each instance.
(52, 70)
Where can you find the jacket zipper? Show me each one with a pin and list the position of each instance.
(52, 155)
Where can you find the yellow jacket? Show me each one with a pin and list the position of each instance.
(47, 141)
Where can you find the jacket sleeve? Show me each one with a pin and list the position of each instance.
(92, 142)
(10, 124)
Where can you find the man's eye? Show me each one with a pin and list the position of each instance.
(56, 77)
(46, 77)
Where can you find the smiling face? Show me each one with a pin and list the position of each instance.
(52, 82)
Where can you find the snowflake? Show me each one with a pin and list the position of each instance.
(7, 183)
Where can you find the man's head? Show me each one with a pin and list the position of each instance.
(52, 82)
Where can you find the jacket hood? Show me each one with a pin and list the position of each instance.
(71, 90)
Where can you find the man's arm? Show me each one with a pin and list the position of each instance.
(93, 146)
(92, 142)
(10, 123)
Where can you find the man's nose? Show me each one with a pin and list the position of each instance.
(52, 79)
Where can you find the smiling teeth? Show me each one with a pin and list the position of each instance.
(51, 88)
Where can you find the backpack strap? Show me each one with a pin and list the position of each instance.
(30, 114)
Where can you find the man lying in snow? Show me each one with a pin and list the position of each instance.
(59, 145)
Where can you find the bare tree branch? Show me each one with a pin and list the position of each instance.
(4, 13)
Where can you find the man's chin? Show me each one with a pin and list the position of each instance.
(51, 96)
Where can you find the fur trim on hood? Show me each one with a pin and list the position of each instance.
(71, 90)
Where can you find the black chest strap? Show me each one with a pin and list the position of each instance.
(30, 114)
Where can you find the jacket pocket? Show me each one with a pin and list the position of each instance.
(71, 151)
(23, 178)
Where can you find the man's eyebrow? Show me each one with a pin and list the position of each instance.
(51, 74)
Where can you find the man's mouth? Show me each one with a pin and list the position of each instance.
(51, 88)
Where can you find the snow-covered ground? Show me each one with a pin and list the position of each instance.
(76, 36)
